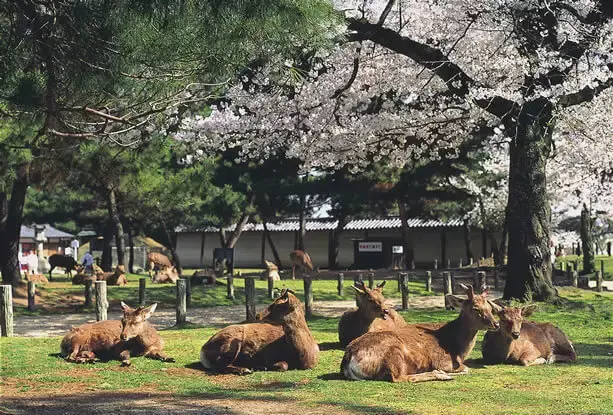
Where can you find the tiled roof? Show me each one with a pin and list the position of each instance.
(323, 225)
(50, 232)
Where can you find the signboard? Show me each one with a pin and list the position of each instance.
(370, 247)
(397, 249)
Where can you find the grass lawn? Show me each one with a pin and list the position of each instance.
(608, 263)
(29, 369)
(61, 296)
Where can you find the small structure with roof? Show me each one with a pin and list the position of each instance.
(56, 242)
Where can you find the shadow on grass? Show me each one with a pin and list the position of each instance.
(366, 409)
(329, 346)
(332, 376)
(195, 366)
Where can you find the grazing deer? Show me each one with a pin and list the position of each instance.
(271, 272)
(115, 339)
(525, 342)
(62, 261)
(166, 275)
(372, 314)
(157, 260)
(301, 260)
(421, 352)
(279, 340)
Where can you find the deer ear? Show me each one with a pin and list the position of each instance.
(496, 308)
(148, 312)
(469, 291)
(454, 301)
(125, 307)
(358, 290)
(528, 310)
(381, 284)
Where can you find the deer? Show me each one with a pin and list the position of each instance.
(157, 260)
(279, 340)
(422, 352)
(62, 261)
(526, 343)
(301, 260)
(372, 314)
(131, 336)
(271, 272)
(166, 275)
(117, 277)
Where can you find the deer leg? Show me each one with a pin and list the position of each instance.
(158, 355)
(563, 358)
(237, 370)
(281, 366)
(293, 272)
(423, 377)
(124, 356)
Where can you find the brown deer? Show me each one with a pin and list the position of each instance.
(80, 278)
(157, 260)
(372, 314)
(421, 352)
(271, 272)
(115, 339)
(525, 342)
(167, 275)
(279, 340)
(301, 260)
(117, 277)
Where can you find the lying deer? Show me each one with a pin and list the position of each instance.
(279, 340)
(166, 275)
(115, 339)
(117, 277)
(157, 260)
(525, 342)
(421, 352)
(372, 314)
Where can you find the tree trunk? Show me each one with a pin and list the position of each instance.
(467, 241)
(502, 251)
(406, 241)
(586, 240)
(271, 243)
(120, 242)
(236, 233)
(172, 246)
(529, 267)
(11, 229)
(302, 223)
(107, 257)
(483, 229)
(335, 238)
(131, 247)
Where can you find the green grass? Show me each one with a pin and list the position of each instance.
(608, 263)
(582, 388)
(55, 293)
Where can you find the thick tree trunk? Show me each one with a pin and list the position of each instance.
(236, 233)
(271, 243)
(406, 241)
(172, 246)
(107, 257)
(587, 241)
(335, 238)
(11, 229)
(131, 248)
(529, 267)
(115, 219)
(502, 251)
(467, 241)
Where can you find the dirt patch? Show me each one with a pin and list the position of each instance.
(143, 401)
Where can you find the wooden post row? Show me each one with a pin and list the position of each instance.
(481, 279)
(250, 298)
(308, 296)
(447, 287)
(142, 285)
(31, 296)
(339, 285)
(102, 304)
(230, 287)
(429, 281)
(271, 288)
(188, 292)
(89, 292)
(575, 279)
(599, 281)
(181, 301)
(371, 280)
(6, 310)
(405, 290)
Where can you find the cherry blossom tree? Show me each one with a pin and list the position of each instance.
(413, 77)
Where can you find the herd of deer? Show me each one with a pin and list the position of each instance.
(379, 344)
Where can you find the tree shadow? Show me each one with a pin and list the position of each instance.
(331, 376)
(330, 346)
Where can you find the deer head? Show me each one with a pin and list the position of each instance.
(476, 307)
(372, 301)
(511, 319)
(133, 320)
(283, 306)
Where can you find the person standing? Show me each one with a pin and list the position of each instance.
(32, 260)
(88, 262)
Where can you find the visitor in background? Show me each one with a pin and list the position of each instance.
(32, 260)
(88, 262)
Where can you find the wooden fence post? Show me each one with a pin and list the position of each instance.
(101, 303)
(188, 292)
(496, 279)
(181, 301)
(435, 264)
(6, 310)
(341, 281)
(476, 285)
(358, 281)
(399, 279)
(575, 280)
(405, 291)
(602, 268)
(449, 263)
(599, 281)
(142, 284)
(447, 287)
(453, 282)
(460, 265)
(308, 296)
(31, 296)
(429, 281)
(250, 298)
(470, 261)
(230, 287)
(371, 280)
(271, 288)
(413, 264)
(482, 279)
(89, 288)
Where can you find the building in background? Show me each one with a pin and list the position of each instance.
(57, 240)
